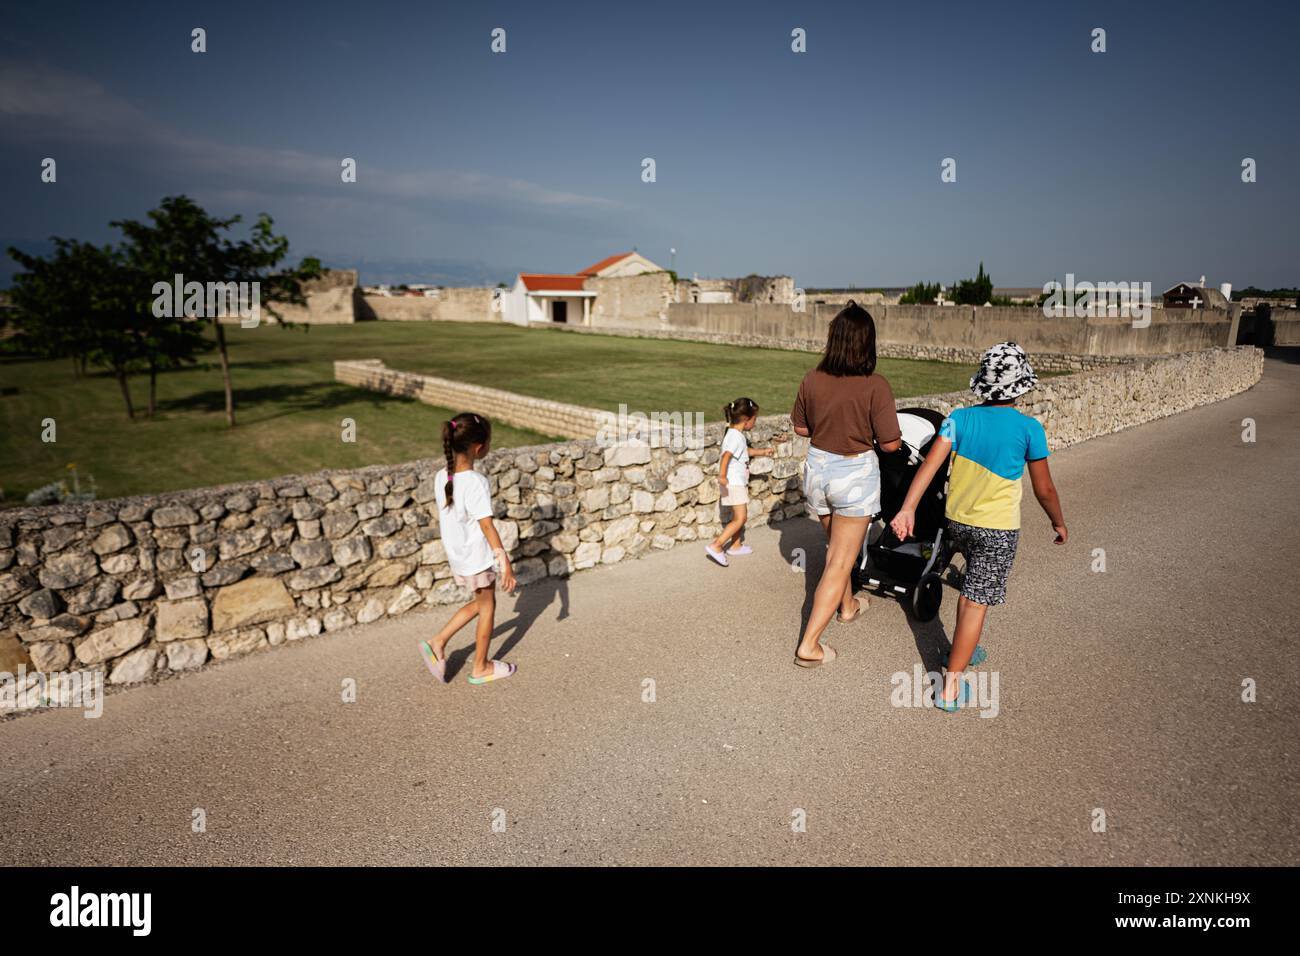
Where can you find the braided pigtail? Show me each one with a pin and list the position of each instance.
(448, 440)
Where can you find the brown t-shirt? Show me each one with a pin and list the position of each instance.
(844, 413)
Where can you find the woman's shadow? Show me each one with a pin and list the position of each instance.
(532, 601)
(803, 545)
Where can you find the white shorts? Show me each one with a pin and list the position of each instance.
(846, 485)
(737, 494)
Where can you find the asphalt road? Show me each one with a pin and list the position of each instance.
(1117, 691)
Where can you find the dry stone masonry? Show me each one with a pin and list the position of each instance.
(144, 587)
(522, 411)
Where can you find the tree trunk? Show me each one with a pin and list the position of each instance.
(153, 387)
(126, 393)
(225, 373)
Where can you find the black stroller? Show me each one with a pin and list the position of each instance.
(910, 570)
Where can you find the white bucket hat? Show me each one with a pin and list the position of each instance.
(1004, 373)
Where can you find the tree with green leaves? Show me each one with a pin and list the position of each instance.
(48, 299)
(97, 304)
(923, 293)
(84, 302)
(975, 291)
(181, 238)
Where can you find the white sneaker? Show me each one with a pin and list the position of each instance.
(716, 555)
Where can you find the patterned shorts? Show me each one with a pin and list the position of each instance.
(847, 485)
(989, 553)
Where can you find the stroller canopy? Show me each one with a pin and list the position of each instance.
(917, 431)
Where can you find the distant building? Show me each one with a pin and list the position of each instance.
(563, 298)
(626, 284)
(623, 264)
(1190, 295)
(550, 298)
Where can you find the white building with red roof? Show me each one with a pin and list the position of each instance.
(624, 264)
(544, 298)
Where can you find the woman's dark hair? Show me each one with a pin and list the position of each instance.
(458, 435)
(739, 410)
(850, 343)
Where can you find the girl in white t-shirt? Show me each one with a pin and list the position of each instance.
(465, 519)
(733, 478)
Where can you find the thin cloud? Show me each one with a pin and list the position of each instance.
(40, 101)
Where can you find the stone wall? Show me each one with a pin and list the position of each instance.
(331, 300)
(450, 305)
(1042, 361)
(1285, 327)
(766, 289)
(141, 587)
(1074, 408)
(632, 301)
(959, 330)
(144, 587)
(538, 414)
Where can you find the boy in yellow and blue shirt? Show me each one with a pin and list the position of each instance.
(991, 444)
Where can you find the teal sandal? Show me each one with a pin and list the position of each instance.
(976, 659)
(952, 706)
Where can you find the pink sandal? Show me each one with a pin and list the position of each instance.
(500, 671)
(438, 668)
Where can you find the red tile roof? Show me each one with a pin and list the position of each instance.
(547, 282)
(603, 264)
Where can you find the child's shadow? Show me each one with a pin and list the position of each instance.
(533, 599)
(932, 641)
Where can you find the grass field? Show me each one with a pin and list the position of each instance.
(648, 375)
(290, 409)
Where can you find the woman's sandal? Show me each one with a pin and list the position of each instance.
(500, 671)
(849, 620)
(828, 655)
(438, 668)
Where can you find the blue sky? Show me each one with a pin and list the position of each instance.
(825, 165)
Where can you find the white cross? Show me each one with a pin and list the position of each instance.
(1196, 302)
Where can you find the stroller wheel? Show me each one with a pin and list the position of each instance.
(926, 597)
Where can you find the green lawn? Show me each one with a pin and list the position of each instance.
(289, 408)
(648, 375)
